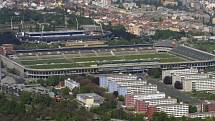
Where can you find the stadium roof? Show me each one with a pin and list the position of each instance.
(55, 32)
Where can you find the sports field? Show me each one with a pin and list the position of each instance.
(93, 59)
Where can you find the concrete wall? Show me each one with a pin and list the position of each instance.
(10, 64)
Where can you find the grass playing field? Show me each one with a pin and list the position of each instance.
(75, 60)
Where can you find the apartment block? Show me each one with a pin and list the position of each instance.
(163, 101)
(141, 106)
(130, 99)
(208, 106)
(104, 79)
(176, 110)
(178, 72)
(202, 115)
(198, 84)
(141, 89)
(113, 85)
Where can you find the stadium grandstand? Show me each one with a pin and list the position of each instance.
(192, 53)
(61, 35)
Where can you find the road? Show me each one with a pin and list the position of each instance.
(170, 91)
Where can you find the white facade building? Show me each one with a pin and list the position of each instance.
(113, 85)
(71, 84)
(104, 79)
(199, 84)
(141, 89)
(163, 101)
(198, 81)
(176, 110)
(178, 72)
(202, 115)
(150, 96)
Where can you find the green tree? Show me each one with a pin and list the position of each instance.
(192, 109)
(26, 98)
(65, 91)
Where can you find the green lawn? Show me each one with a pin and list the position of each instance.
(88, 61)
(202, 95)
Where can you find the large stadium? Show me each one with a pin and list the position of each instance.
(43, 63)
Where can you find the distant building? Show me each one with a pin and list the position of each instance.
(113, 85)
(202, 115)
(6, 49)
(71, 84)
(104, 79)
(91, 28)
(141, 106)
(144, 89)
(199, 84)
(176, 110)
(208, 106)
(90, 100)
(130, 99)
(102, 3)
(150, 112)
(169, 73)
(169, 2)
(163, 101)
(197, 81)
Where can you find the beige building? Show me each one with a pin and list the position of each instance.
(90, 100)
(135, 29)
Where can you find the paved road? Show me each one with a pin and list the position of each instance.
(170, 91)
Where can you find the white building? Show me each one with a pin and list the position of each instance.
(150, 96)
(180, 77)
(90, 99)
(104, 79)
(202, 115)
(71, 84)
(198, 84)
(176, 110)
(178, 72)
(113, 85)
(102, 3)
(197, 81)
(162, 101)
(143, 89)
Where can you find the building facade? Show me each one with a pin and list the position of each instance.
(176, 110)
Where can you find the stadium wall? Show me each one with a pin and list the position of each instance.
(10, 64)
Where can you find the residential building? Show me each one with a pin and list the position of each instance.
(208, 106)
(104, 79)
(156, 95)
(113, 85)
(162, 101)
(71, 84)
(150, 112)
(176, 110)
(130, 99)
(90, 100)
(141, 106)
(202, 115)
(180, 77)
(143, 89)
(198, 84)
(178, 72)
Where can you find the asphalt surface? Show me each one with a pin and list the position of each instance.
(170, 91)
